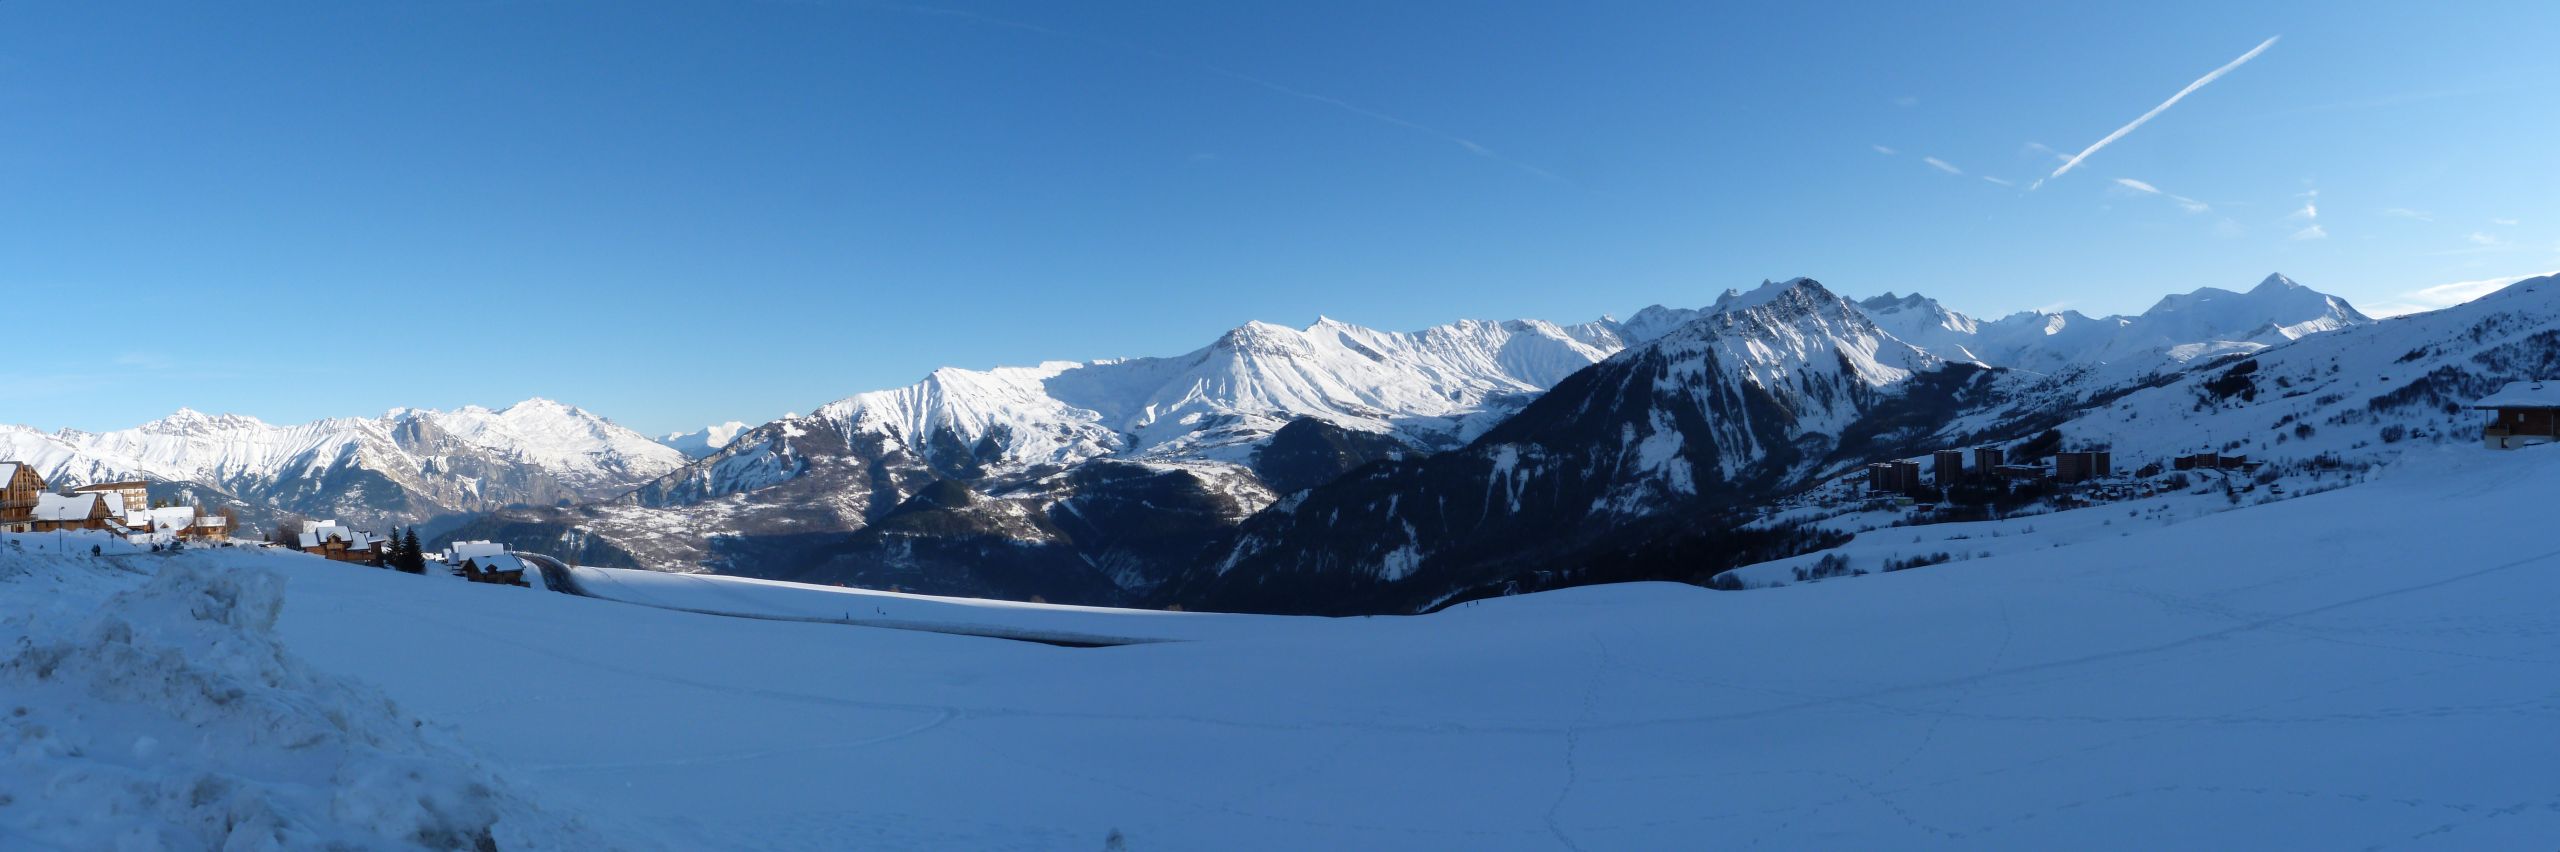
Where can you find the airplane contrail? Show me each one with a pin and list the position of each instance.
(2217, 73)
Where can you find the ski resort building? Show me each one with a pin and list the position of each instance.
(1988, 458)
(73, 512)
(2528, 413)
(171, 523)
(1947, 466)
(340, 543)
(462, 551)
(2072, 468)
(499, 568)
(127, 498)
(1893, 477)
(20, 488)
(2210, 461)
(2019, 472)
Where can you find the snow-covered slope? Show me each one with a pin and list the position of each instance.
(2364, 668)
(2367, 391)
(166, 713)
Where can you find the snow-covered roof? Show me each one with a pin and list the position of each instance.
(467, 549)
(163, 517)
(65, 507)
(8, 472)
(2535, 394)
(496, 562)
(320, 532)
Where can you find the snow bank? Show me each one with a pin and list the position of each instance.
(172, 718)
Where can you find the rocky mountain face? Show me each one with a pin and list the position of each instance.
(409, 466)
(1089, 482)
(1554, 496)
(1762, 391)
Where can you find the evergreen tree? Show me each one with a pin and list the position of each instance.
(391, 550)
(412, 559)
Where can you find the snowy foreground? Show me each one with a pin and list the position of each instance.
(2372, 667)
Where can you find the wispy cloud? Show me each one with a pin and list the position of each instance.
(1999, 181)
(1942, 165)
(2315, 232)
(1468, 145)
(1884, 150)
(2041, 148)
(2191, 205)
(2164, 106)
(2480, 239)
(2446, 295)
(2310, 211)
(2406, 213)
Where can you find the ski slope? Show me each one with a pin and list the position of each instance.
(2369, 667)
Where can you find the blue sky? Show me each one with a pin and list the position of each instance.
(680, 213)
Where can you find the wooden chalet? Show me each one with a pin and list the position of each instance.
(502, 569)
(2528, 413)
(20, 488)
(177, 522)
(340, 543)
(73, 512)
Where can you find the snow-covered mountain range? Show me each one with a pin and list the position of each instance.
(1201, 478)
(1087, 479)
(407, 466)
(2181, 328)
(1105, 480)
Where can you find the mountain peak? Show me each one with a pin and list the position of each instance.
(2275, 282)
(1259, 336)
(540, 404)
(188, 421)
(1768, 291)
(704, 441)
(1891, 302)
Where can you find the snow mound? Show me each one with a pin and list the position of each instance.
(172, 718)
